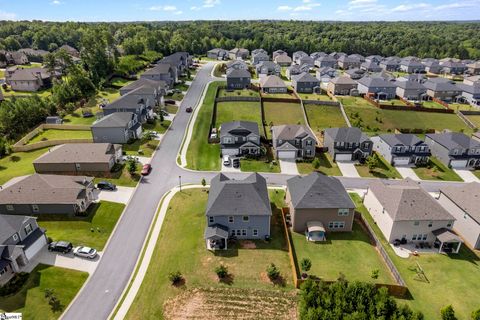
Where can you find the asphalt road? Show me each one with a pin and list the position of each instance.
(104, 288)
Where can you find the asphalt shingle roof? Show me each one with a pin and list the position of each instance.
(454, 140)
(114, 120)
(347, 134)
(291, 132)
(242, 125)
(10, 224)
(272, 81)
(406, 139)
(78, 153)
(466, 197)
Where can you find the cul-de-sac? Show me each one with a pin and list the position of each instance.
(259, 160)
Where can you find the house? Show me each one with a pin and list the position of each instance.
(283, 60)
(402, 149)
(411, 66)
(79, 158)
(453, 67)
(417, 77)
(34, 55)
(259, 57)
(237, 64)
(410, 90)
(257, 51)
(342, 86)
(454, 149)
(463, 203)
(324, 74)
(217, 54)
(292, 142)
(432, 66)
(238, 53)
(29, 79)
(268, 68)
(371, 66)
(293, 70)
(472, 80)
(305, 83)
(47, 194)
(345, 62)
(153, 90)
(470, 93)
(136, 101)
(306, 60)
(337, 55)
(180, 60)
(442, 89)
(297, 55)
(238, 79)
(70, 50)
(374, 58)
(118, 127)
(273, 84)
(239, 138)
(19, 58)
(360, 58)
(326, 61)
(377, 87)
(474, 68)
(390, 64)
(404, 211)
(237, 208)
(21, 239)
(355, 73)
(277, 53)
(316, 55)
(347, 144)
(162, 71)
(321, 199)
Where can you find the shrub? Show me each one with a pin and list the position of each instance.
(371, 162)
(14, 285)
(375, 273)
(132, 166)
(305, 264)
(448, 313)
(204, 182)
(476, 314)
(273, 272)
(175, 277)
(221, 271)
(316, 163)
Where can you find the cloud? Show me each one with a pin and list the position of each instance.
(195, 8)
(56, 2)
(410, 7)
(178, 12)
(163, 8)
(284, 8)
(210, 3)
(7, 15)
(457, 5)
(307, 7)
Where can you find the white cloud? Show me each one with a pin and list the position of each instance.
(457, 5)
(307, 1)
(178, 12)
(163, 8)
(210, 3)
(410, 7)
(56, 2)
(284, 8)
(195, 8)
(7, 15)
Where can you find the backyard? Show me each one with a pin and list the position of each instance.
(475, 119)
(246, 262)
(239, 110)
(321, 117)
(54, 134)
(18, 164)
(279, 113)
(435, 170)
(314, 96)
(30, 299)
(327, 166)
(77, 118)
(92, 230)
(238, 93)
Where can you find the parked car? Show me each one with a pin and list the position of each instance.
(236, 163)
(60, 246)
(146, 169)
(85, 252)
(169, 101)
(189, 109)
(87, 114)
(105, 185)
(213, 134)
(226, 160)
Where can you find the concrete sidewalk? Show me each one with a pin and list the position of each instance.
(466, 175)
(348, 169)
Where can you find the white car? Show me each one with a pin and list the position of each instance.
(226, 160)
(85, 252)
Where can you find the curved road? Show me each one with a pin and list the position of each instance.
(105, 287)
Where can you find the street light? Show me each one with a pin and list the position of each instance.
(180, 179)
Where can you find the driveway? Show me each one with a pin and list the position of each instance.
(466, 175)
(288, 167)
(229, 168)
(68, 261)
(407, 172)
(348, 169)
(121, 195)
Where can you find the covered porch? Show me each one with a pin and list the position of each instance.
(216, 237)
(315, 231)
(446, 241)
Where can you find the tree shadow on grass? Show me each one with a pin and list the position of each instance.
(228, 279)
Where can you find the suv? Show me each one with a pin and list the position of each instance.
(60, 246)
(236, 163)
(105, 185)
(226, 160)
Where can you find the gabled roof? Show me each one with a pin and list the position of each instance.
(466, 197)
(238, 73)
(317, 191)
(326, 58)
(454, 140)
(230, 64)
(145, 83)
(272, 81)
(9, 225)
(114, 120)
(409, 85)
(440, 84)
(347, 134)
(292, 132)
(474, 65)
(470, 89)
(370, 65)
(407, 201)
(29, 74)
(343, 80)
(79, 153)
(376, 82)
(131, 101)
(238, 197)
(348, 59)
(406, 139)
(251, 127)
(283, 58)
(160, 68)
(305, 77)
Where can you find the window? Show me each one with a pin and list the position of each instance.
(35, 208)
(309, 142)
(414, 237)
(449, 224)
(425, 236)
(77, 166)
(245, 218)
(227, 140)
(15, 237)
(309, 152)
(255, 232)
(336, 225)
(28, 229)
(233, 232)
(416, 223)
(343, 212)
(231, 219)
(9, 207)
(244, 232)
(211, 219)
(430, 224)
(2, 272)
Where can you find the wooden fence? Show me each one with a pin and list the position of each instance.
(238, 98)
(407, 107)
(463, 115)
(322, 102)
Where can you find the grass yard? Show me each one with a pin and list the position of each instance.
(219, 69)
(239, 110)
(200, 154)
(321, 117)
(462, 107)
(10, 93)
(181, 86)
(327, 166)
(109, 94)
(314, 96)
(141, 147)
(251, 165)
(453, 279)
(435, 170)
(475, 119)
(181, 247)
(382, 170)
(76, 116)
(54, 134)
(348, 101)
(18, 164)
(432, 105)
(350, 253)
(278, 113)
(160, 127)
(122, 177)
(279, 95)
(238, 93)
(2, 73)
(175, 96)
(102, 218)
(394, 102)
(31, 301)
(120, 82)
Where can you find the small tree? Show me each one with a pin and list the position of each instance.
(448, 313)
(175, 277)
(305, 264)
(476, 314)
(375, 273)
(204, 182)
(273, 272)
(132, 166)
(371, 162)
(316, 163)
(162, 118)
(221, 271)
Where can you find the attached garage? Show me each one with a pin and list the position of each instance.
(38, 241)
(287, 154)
(401, 161)
(458, 163)
(343, 157)
(230, 152)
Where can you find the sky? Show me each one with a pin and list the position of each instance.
(158, 10)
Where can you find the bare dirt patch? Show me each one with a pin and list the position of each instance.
(246, 244)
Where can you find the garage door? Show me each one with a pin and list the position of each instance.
(35, 247)
(401, 161)
(343, 157)
(287, 154)
(229, 152)
(458, 163)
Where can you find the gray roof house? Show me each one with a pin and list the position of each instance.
(21, 239)
(324, 74)
(305, 83)
(47, 194)
(377, 87)
(306, 60)
(293, 142)
(151, 89)
(297, 55)
(474, 68)
(470, 93)
(371, 66)
(316, 55)
(28, 79)
(136, 102)
(237, 208)
(411, 66)
(180, 60)
(217, 54)
(342, 86)
(293, 70)
(259, 57)
(453, 67)
(237, 64)
(238, 79)
(455, 149)
(347, 144)
(238, 53)
(360, 58)
(442, 89)
(259, 50)
(118, 127)
(390, 64)
(326, 61)
(278, 53)
(432, 66)
(283, 60)
(162, 71)
(273, 84)
(355, 73)
(410, 90)
(472, 80)
(346, 62)
(320, 199)
(239, 138)
(374, 58)
(268, 68)
(402, 149)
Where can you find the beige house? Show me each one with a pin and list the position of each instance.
(463, 203)
(319, 199)
(342, 86)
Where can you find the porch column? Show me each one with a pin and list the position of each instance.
(441, 247)
(458, 247)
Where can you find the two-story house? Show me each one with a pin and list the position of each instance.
(259, 56)
(347, 144)
(238, 53)
(442, 89)
(162, 71)
(411, 66)
(20, 241)
(273, 84)
(402, 149)
(267, 68)
(297, 55)
(181, 61)
(390, 64)
(293, 142)
(324, 74)
(239, 138)
(471, 93)
(118, 127)
(283, 60)
(238, 79)
(237, 208)
(342, 85)
(237, 65)
(305, 83)
(136, 102)
(377, 87)
(455, 149)
(326, 61)
(371, 66)
(154, 90)
(217, 54)
(453, 67)
(410, 90)
(346, 62)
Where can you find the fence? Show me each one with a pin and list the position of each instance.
(463, 115)
(273, 99)
(409, 107)
(238, 98)
(322, 102)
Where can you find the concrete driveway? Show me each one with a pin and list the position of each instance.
(288, 167)
(348, 169)
(229, 168)
(466, 175)
(68, 261)
(121, 195)
(407, 172)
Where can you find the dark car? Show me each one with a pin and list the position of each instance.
(169, 101)
(146, 169)
(189, 110)
(236, 163)
(87, 114)
(60, 246)
(105, 185)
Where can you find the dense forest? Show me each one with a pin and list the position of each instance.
(422, 39)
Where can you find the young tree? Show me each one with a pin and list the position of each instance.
(305, 264)
(221, 271)
(272, 272)
(204, 182)
(175, 277)
(132, 166)
(371, 162)
(316, 163)
(448, 313)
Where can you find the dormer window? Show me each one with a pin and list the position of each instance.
(28, 229)
(15, 237)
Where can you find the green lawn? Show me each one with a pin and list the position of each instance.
(475, 119)
(76, 116)
(181, 247)
(141, 147)
(122, 177)
(238, 93)
(314, 96)
(239, 110)
(42, 93)
(435, 170)
(2, 74)
(278, 113)
(432, 105)
(108, 93)
(181, 86)
(18, 164)
(175, 96)
(453, 279)
(250, 165)
(350, 253)
(279, 95)
(200, 154)
(382, 170)
(321, 117)
(348, 101)
(102, 218)
(160, 127)
(219, 69)
(462, 106)
(54, 134)
(170, 108)
(31, 301)
(120, 82)
(327, 166)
